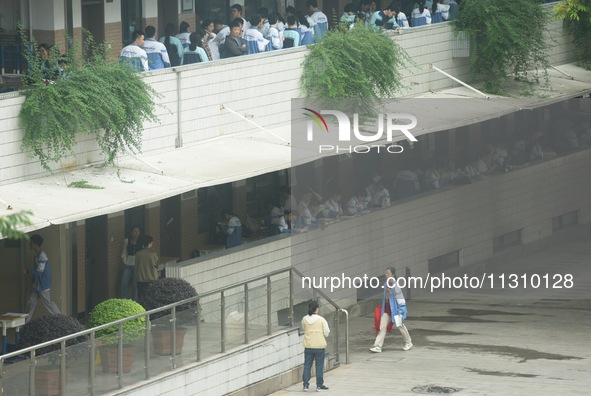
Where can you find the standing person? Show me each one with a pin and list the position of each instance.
(133, 54)
(41, 276)
(195, 53)
(131, 246)
(155, 50)
(395, 304)
(146, 265)
(184, 34)
(320, 20)
(315, 332)
(234, 45)
(173, 45)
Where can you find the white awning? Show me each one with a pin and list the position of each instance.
(232, 158)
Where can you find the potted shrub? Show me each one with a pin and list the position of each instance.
(110, 311)
(163, 292)
(48, 328)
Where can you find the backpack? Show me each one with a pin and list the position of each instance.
(173, 53)
(288, 42)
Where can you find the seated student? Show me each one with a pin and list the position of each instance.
(454, 176)
(421, 15)
(231, 228)
(273, 35)
(471, 169)
(194, 53)
(234, 45)
(356, 204)
(291, 37)
(381, 196)
(332, 206)
(255, 41)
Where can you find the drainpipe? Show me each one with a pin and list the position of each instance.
(30, 21)
(179, 137)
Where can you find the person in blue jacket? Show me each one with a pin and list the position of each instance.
(395, 304)
(41, 276)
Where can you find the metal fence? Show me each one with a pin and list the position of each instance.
(72, 370)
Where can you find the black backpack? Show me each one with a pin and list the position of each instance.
(173, 54)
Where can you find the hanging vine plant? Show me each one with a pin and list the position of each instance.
(577, 17)
(507, 40)
(67, 96)
(359, 64)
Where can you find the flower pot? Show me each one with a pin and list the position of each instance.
(47, 381)
(161, 341)
(108, 355)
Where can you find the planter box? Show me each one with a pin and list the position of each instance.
(108, 355)
(161, 341)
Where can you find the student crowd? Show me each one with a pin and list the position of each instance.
(266, 31)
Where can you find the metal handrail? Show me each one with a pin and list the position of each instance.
(337, 309)
(91, 333)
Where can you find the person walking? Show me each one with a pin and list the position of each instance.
(41, 276)
(315, 332)
(395, 304)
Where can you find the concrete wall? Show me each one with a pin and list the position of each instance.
(245, 85)
(235, 370)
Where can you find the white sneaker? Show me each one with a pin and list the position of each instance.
(407, 347)
(376, 349)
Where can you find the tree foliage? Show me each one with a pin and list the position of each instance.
(577, 17)
(356, 63)
(71, 95)
(507, 40)
(9, 225)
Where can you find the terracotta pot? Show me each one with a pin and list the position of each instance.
(109, 358)
(161, 340)
(47, 381)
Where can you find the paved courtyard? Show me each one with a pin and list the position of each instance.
(487, 342)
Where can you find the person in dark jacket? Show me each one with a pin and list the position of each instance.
(234, 45)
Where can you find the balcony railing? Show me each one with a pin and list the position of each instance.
(224, 318)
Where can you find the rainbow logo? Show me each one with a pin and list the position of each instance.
(317, 118)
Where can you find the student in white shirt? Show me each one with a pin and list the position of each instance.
(273, 34)
(133, 54)
(319, 19)
(332, 207)
(253, 36)
(155, 50)
(421, 11)
(184, 34)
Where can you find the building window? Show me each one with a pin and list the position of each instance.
(131, 19)
(444, 262)
(507, 240)
(565, 220)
